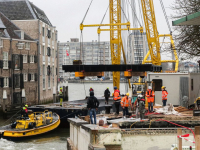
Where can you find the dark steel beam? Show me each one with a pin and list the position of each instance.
(102, 68)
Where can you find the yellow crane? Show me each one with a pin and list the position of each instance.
(116, 44)
(153, 36)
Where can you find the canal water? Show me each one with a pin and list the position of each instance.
(56, 139)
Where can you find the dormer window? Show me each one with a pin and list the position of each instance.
(20, 34)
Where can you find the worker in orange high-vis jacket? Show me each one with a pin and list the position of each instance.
(125, 103)
(164, 95)
(117, 99)
(150, 98)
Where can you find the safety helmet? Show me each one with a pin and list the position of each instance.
(150, 88)
(60, 88)
(26, 105)
(107, 87)
(91, 87)
(163, 87)
(115, 87)
(127, 94)
(139, 96)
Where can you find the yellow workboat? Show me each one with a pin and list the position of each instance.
(36, 123)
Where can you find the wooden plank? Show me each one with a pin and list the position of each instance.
(179, 132)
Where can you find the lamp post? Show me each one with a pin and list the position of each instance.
(23, 96)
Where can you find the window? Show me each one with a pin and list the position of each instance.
(6, 82)
(20, 34)
(52, 53)
(192, 85)
(43, 31)
(16, 80)
(53, 70)
(27, 45)
(31, 59)
(157, 84)
(49, 81)
(25, 76)
(43, 50)
(43, 82)
(43, 70)
(16, 61)
(17, 98)
(24, 58)
(1, 43)
(5, 60)
(32, 77)
(20, 45)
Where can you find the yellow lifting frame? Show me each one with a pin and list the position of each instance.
(116, 44)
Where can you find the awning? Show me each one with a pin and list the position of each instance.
(193, 19)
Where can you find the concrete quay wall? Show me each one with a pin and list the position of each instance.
(84, 136)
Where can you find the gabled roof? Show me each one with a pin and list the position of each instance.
(193, 19)
(9, 32)
(22, 10)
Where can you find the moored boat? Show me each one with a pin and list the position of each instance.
(36, 123)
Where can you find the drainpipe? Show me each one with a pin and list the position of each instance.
(38, 46)
(11, 52)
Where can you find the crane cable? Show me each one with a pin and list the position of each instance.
(86, 12)
(163, 8)
(135, 13)
(99, 37)
(123, 11)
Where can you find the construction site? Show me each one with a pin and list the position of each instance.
(173, 125)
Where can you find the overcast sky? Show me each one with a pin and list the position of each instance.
(67, 15)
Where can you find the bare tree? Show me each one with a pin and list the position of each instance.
(187, 37)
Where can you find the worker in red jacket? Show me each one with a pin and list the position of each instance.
(117, 99)
(150, 98)
(164, 95)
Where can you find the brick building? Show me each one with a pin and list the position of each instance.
(18, 64)
(34, 22)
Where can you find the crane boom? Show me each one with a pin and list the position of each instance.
(153, 36)
(151, 31)
(115, 37)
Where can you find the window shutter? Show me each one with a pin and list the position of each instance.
(1, 82)
(36, 76)
(28, 57)
(10, 82)
(21, 61)
(49, 51)
(10, 64)
(35, 59)
(1, 63)
(13, 61)
(13, 81)
(21, 81)
(29, 77)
